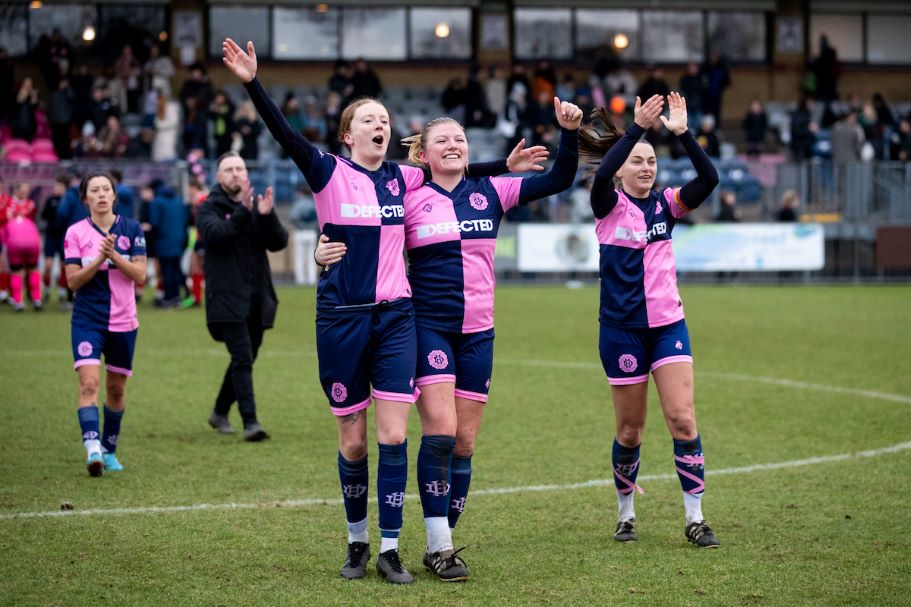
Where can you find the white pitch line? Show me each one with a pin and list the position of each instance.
(811, 461)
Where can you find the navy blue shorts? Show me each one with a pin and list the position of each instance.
(465, 359)
(363, 347)
(53, 247)
(629, 354)
(117, 347)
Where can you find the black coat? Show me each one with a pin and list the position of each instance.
(236, 266)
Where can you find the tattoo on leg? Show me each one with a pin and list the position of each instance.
(353, 417)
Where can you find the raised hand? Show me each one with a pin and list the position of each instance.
(569, 116)
(328, 253)
(246, 195)
(242, 64)
(645, 114)
(264, 203)
(523, 159)
(676, 120)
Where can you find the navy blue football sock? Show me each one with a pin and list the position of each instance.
(391, 478)
(434, 460)
(458, 493)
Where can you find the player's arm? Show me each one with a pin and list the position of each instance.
(604, 196)
(696, 191)
(243, 65)
(78, 275)
(520, 160)
(561, 175)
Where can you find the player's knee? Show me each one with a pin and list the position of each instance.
(682, 424)
(629, 435)
(88, 387)
(353, 449)
(464, 446)
(115, 393)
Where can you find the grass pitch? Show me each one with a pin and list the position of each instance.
(803, 401)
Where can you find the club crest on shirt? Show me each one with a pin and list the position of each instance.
(428, 208)
(628, 363)
(658, 208)
(123, 242)
(478, 201)
(339, 392)
(393, 186)
(438, 359)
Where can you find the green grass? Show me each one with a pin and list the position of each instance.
(826, 533)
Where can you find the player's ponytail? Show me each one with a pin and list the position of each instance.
(597, 138)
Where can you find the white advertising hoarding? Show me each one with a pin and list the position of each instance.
(719, 247)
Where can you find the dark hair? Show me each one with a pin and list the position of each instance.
(117, 174)
(84, 184)
(597, 138)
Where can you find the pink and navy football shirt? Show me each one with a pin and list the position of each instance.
(451, 239)
(108, 300)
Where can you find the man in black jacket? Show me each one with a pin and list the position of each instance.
(240, 298)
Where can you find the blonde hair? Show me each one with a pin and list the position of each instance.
(415, 143)
(344, 122)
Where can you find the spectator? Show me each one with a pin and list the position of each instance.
(167, 123)
(692, 88)
(566, 89)
(900, 148)
(195, 131)
(116, 91)
(313, 121)
(53, 239)
(129, 72)
(477, 112)
(83, 102)
(517, 75)
(847, 139)
(364, 81)
(826, 69)
(716, 77)
(542, 119)
(788, 208)
(495, 89)
(60, 116)
(332, 114)
(291, 109)
(545, 81)
(88, 145)
(803, 131)
(101, 107)
(654, 85)
(54, 54)
(453, 99)
(168, 216)
(221, 111)
(516, 116)
(707, 136)
(620, 81)
(874, 131)
(197, 87)
(728, 211)
(125, 205)
(158, 71)
(248, 128)
(113, 139)
(24, 122)
(340, 80)
(755, 126)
